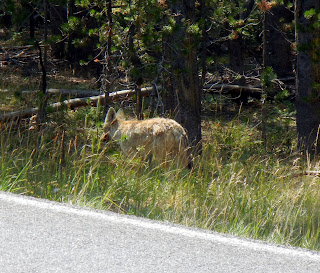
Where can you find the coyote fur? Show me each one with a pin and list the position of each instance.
(160, 138)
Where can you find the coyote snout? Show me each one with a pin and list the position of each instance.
(160, 138)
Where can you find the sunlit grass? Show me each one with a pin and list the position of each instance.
(239, 184)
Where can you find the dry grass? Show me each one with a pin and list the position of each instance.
(239, 185)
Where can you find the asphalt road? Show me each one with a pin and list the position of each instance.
(42, 236)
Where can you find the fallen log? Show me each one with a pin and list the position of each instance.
(18, 114)
(239, 93)
(69, 92)
(75, 103)
(235, 89)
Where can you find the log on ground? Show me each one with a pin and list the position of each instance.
(74, 103)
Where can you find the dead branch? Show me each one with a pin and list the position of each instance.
(69, 92)
(18, 114)
(235, 89)
(75, 103)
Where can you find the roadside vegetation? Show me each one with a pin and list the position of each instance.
(230, 68)
(242, 183)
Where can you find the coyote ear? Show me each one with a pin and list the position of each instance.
(111, 116)
(120, 114)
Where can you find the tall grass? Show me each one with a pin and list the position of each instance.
(239, 184)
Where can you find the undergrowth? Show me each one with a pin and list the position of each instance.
(241, 184)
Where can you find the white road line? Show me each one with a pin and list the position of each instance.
(154, 225)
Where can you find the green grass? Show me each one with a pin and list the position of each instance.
(239, 185)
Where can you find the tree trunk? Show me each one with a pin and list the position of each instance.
(58, 16)
(236, 46)
(236, 55)
(32, 24)
(168, 95)
(108, 82)
(71, 55)
(308, 77)
(43, 89)
(184, 78)
(277, 46)
(204, 42)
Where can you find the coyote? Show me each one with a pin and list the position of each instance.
(160, 138)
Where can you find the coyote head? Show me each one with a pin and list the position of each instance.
(111, 124)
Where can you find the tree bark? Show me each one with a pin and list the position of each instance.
(308, 78)
(277, 47)
(236, 46)
(108, 67)
(236, 55)
(43, 88)
(184, 78)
